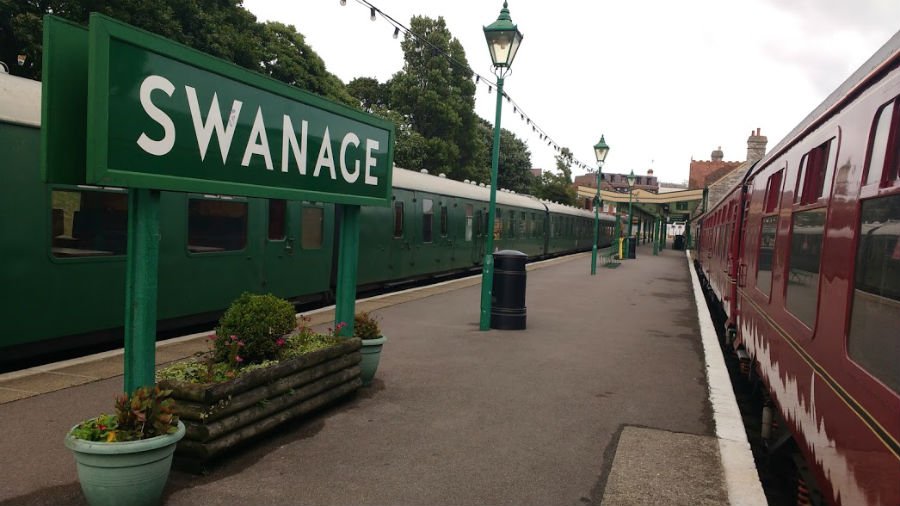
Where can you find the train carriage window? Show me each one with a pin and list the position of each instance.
(216, 225)
(766, 254)
(511, 225)
(313, 227)
(873, 341)
(89, 223)
(427, 220)
(807, 231)
(277, 213)
(773, 192)
(523, 225)
(498, 224)
(445, 225)
(470, 210)
(815, 171)
(878, 147)
(398, 220)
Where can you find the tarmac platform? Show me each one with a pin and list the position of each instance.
(615, 394)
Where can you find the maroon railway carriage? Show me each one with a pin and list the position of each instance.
(804, 258)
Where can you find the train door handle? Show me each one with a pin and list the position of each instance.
(289, 246)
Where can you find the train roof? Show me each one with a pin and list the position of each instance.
(411, 180)
(865, 76)
(20, 100)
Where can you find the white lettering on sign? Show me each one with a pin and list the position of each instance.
(258, 143)
(213, 121)
(370, 161)
(289, 138)
(350, 160)
(350, 177)
(326, 159)
(164, 145)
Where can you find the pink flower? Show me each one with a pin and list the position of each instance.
(279, 341)
(238, 359)
(339, 326)
(211, 337)
(240, 343)
(233, 337)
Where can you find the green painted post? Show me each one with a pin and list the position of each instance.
(596, 224)
(617, 231)
(655, 228)
(348, 251)
(662, 234)
(140, 288)
(487, 271)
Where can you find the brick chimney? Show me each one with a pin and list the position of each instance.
(717, 155)
(756, 146)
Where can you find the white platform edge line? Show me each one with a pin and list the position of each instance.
(741, 477)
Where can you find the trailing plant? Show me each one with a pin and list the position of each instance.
(147, 412)
(365, 326)
(252, 328)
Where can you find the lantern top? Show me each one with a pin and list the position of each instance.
(631, 178)
(503, 38)
(601, 149)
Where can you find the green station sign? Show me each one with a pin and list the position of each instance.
(163, 116)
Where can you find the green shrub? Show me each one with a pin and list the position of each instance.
(251, 329)
(365, 326)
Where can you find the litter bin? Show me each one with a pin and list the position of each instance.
(679, 243)
(632, 247)
(508, 300)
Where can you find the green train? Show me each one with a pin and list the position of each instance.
(62, 255)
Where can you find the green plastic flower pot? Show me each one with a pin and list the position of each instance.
(130, 472)
(371, 353)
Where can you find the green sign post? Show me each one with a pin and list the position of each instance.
(162, 116)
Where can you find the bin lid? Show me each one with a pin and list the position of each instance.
(509, 253)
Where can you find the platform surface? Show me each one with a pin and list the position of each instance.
(603, 399)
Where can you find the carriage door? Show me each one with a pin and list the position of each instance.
(475, 230)
(281, 274)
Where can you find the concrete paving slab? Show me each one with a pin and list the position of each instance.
(660, 467)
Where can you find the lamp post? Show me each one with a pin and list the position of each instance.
(600, 150)
(630, 178)
(503, 39)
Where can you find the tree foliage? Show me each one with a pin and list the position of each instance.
(436, 95)
(558, 186)
(514, 163)
(221, 28)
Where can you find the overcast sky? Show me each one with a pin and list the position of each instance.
(664, 81)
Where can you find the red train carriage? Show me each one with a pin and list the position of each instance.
(804, 257)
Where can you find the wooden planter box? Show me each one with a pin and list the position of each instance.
(221, 415)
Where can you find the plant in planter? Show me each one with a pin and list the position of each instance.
(263, 369)
(365, 327)
(124, 458)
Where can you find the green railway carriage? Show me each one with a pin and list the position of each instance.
(62, 252)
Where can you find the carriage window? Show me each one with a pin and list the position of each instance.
(808, 228)
(89, 223)
(216, 225)
(469, 211)
(498, 224)
(445, 225)
(313, 228)
(873, 342)
(766, 254)
(814, 171)
(773, 191)
(878, 150)
(277, 213)
(398, 219)
(427, 219)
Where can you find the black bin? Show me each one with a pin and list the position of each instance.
(678, 244)
(632, 248)
(508, 291)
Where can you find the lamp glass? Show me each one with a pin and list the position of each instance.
(503, 45)
(601, 149)
(631, 178)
